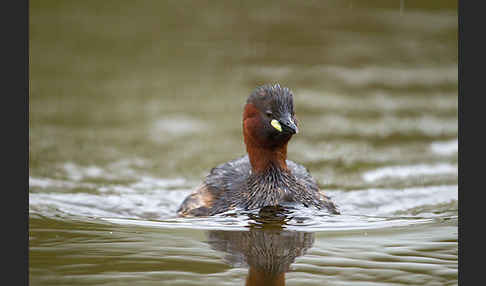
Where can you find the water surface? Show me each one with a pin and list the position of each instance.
(131, 104)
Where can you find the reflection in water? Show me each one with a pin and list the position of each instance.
(267, 249)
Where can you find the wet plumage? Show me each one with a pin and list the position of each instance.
(264, 177)
(233, 186)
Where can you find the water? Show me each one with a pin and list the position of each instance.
(131, 105)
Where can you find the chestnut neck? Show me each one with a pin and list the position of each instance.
(263, 155)
(262, 159)
(258, 277)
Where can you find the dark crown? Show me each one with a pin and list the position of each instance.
(279, 98)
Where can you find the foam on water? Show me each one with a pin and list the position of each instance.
(45, 183)
(409, 171)
(146, 198)
(153, 202)
(386, 202)
(445, 147)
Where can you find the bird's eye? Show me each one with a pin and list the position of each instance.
(268, 113)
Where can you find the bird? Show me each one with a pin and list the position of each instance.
(263, 177)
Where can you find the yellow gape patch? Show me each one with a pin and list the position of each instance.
(276, 125)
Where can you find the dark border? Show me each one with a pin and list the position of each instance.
(460, 42)
(15, 140)
(26, 52)
(16, 137)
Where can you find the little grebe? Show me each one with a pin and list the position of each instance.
(264, 177)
